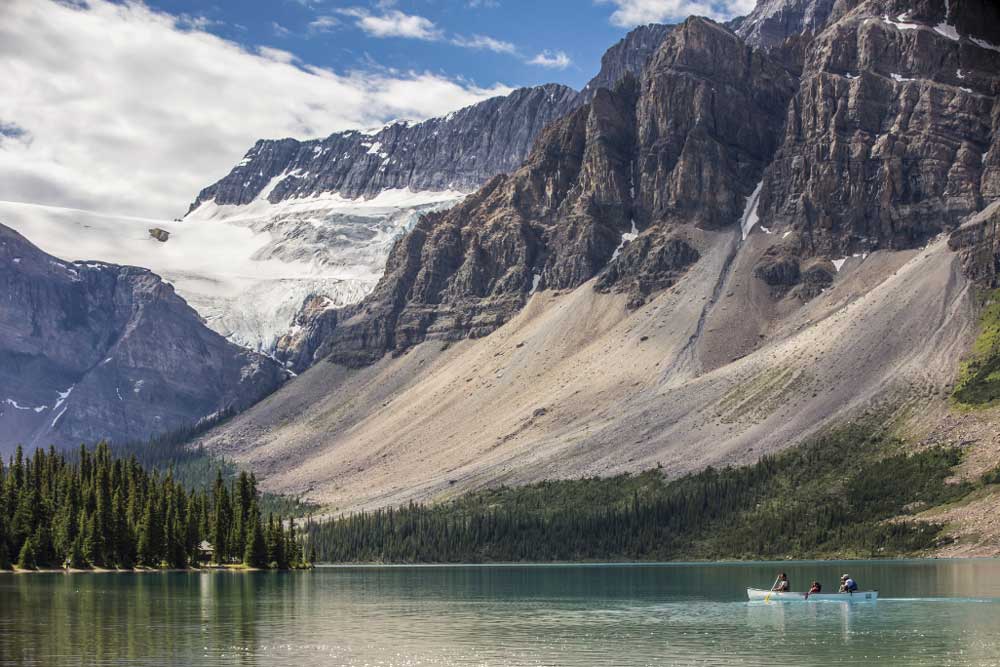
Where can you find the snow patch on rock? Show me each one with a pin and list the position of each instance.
(749, 218)
(628, 236)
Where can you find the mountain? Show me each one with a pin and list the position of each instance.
(297, 229)
(333, 206)
(457, 152)
(773, 21)
(665, 153)
(628, 57)
(705, 264)
(92, 351)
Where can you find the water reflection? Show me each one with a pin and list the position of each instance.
(932, 613)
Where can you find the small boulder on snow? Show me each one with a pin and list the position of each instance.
(160, 235)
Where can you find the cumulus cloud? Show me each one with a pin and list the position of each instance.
(551, 60)
(134, 113)
(394, 23)
(630, 13)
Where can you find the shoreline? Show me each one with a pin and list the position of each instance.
(146, 570)
(588, 563)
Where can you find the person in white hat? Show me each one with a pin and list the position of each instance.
(847, 584)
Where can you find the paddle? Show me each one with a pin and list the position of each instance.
(767, 598)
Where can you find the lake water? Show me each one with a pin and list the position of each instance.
(931, 613)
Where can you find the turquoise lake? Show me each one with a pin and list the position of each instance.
(930, 613)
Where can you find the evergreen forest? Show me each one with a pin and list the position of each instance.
(98, 510)
(845, 494)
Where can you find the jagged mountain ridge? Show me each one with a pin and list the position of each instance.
(460, 151)
(92, 351)
(457, 152)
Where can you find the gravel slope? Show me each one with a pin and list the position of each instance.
(712, 371)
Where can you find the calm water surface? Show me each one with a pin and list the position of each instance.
(931, 613)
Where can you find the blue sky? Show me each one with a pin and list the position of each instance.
(142, 104)
(516, 42)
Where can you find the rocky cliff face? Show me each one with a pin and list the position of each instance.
(882, 137)
(91, 350)
(773, 21)
(890, 138)
(977, 243)
(653, 162)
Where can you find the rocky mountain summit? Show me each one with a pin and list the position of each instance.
(628, 57)
(773, 21)
(93, 351)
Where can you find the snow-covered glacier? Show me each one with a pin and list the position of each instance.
(246, 268)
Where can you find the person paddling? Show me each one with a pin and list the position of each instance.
(815, 588)
(847, 584)
(782, 585)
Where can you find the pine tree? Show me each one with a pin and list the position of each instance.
(26, 515)
(221, 520)
(292, 547)
(275, 539)
(255, 554)
(123, 551)
(26, 559)
(150, 532)
(66, 527)
(191, 520)
(91, 542)
(4, 554)
(74, 558)
(173, 534)
(41, 542)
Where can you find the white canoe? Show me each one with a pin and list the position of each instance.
(759, 594)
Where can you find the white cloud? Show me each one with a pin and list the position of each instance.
(551, 59)
(484, 43)
(393, 23)
(133, 114)
(629, 13)
(323, 23)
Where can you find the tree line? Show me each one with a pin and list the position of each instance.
(99, 510)
(830, 497)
